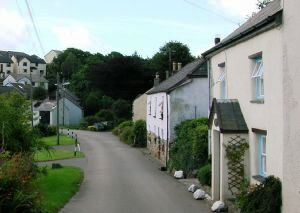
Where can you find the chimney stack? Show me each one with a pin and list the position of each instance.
(167, 74)
(217, 39)
(174, 68)
(179, 66)
(156, 79)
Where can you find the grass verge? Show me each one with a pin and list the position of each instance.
(56, 155)
(58, 186)
(63, 140)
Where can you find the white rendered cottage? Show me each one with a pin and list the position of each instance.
(185, 95)
(255, 89)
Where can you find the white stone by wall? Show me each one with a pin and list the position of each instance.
(291, 106)
(186, 99)
(139, 108)
(267, 116)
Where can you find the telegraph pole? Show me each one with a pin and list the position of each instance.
(57, 107)
(63, 98)
(31, 102)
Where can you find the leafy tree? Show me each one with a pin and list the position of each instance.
(39, 93)
(262, 3)
(70, 65)
(106, 102)
(92, 102)
(179, 53)
(105, 115)
(122, 109)
(15, 121)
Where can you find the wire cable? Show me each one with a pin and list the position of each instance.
(35, 27)
(211, 12)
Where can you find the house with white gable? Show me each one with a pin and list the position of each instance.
(51, 55)
(182, 96)
(34, 80)
(5, 64)
(254, 86)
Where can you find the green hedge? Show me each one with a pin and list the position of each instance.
(132, 133)
(262, 198)
(204, 175)
(190, 149)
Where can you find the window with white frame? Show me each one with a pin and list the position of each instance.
(155, 107)
(222, 81)
(161, 109)
(149, 107)
(258, 78)
(262, 155)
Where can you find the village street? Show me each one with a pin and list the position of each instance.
(119, 178)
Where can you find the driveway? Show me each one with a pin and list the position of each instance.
(121, 179)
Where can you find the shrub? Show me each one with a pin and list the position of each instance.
(105, 115)
(190, 148)
(140, 133)
(122, 109)
(92, 128)
(262, 198)
(127, 135)
(118, 130)
(16, 191)
(45, 130)
(204, 175)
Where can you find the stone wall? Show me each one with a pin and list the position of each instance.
(157, 147)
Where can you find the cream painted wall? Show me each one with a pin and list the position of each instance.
(21, 66)
(291, 106)
(50, 56)
(267, 116)
(139, 108)
(7, 68)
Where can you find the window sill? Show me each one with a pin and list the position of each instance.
(257, 101)
(259, 178)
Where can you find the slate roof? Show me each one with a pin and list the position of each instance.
(5, 58)
(35, 77)
(196, 68)
(71, 97)
(265, 16)
(20, 55)
(229, 116)
(46, 105)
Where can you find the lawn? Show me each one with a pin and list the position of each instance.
(58, 186)
(56, 155)
(63, 140)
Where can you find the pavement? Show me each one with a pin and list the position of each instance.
(119, 178)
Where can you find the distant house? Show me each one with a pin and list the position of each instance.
(139, 108)
(35, 80)
(70, 111)
(51, 55)
(5, 63)
(184, 95)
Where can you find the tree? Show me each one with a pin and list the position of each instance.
(70, 66)
(39, 93)
(122, 109)
(262, 3)
(178, 51)
(15, 123)
(92, 102)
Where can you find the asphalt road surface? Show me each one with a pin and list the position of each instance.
(121, 179)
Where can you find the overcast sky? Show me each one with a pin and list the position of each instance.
(125, 26)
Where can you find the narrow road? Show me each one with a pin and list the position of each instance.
(119, 178)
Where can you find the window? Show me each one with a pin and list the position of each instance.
(25, 70)
(24, 63)
(262, 155)
(1, 67)
(149, 107)
(41, 72)
(161, 109)
(258, 78)
(222, 81)
(8, 65)
(155, 107)
(33, 83)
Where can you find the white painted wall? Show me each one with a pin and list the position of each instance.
(21, 67)
(155, 124)
(7, 68)
(9, 79)
(291, 107)
(186, 99)
(50, 56)
(267, 116)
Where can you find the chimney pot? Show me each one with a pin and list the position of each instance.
(179, 66)
(174, 66)
(156, 79)
(217, 39)
(167, 74)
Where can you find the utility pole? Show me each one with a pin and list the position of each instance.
(31, 102)
(57, 107)
(2, 136)
(63, 98)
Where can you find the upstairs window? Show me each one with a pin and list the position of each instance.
(222, 80)
(262, 155)
(41, 72)
(161, 109)
(155, 107)
(149, 107)
(258, 78)
(24, 63)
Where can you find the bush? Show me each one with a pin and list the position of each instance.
(262, 198)
(105, 115)
(140, 133)
(92, 128)
(45, 130)
(17, 194)
(190, 148)
(122, 109)
(204, 175)
(39, 93)
(118, 130)
(127, 135)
